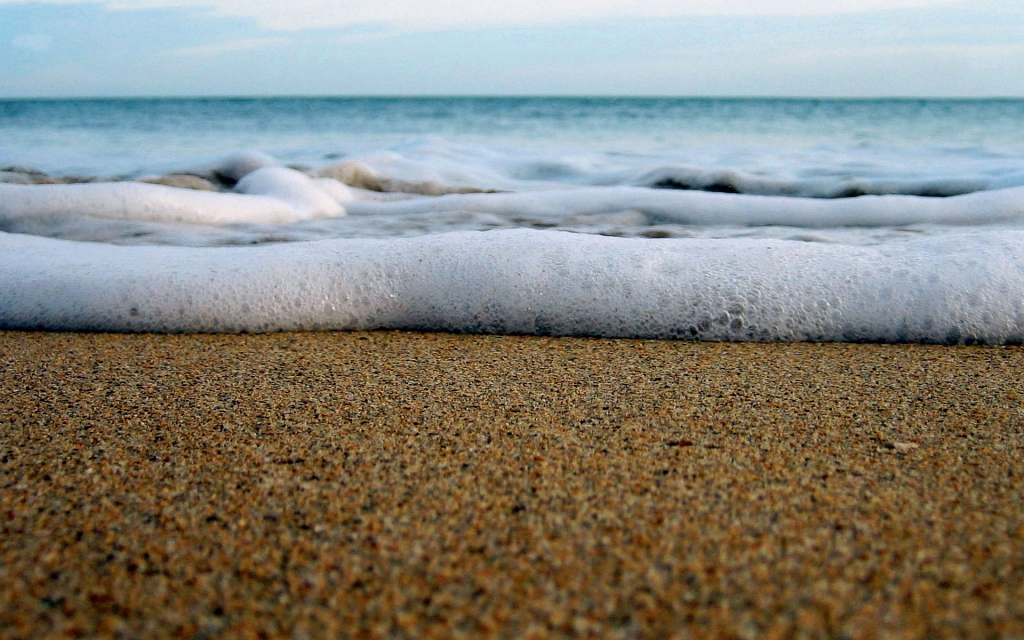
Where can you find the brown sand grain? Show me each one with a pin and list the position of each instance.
(411, 485)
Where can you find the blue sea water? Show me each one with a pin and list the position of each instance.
(779, 137)
(725, 219)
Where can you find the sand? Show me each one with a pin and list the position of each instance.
(412, 485)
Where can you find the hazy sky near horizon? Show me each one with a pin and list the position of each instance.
(854, 48)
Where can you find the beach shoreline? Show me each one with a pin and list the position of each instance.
(435, 485)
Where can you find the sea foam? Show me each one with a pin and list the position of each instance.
(262, 201)
(266, 195)
(703, 208)
(960, 281)
(970, 289)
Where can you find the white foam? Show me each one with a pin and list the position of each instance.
(309, 198)
(434, 166)
(397, 175)
(267, 195)
(14, 177)
(966, 289)
(702, 208)
(733, 181)
(962, 280)
(240, 164)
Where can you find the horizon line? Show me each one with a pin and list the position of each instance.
(483, 96)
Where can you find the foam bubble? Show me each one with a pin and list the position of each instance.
(701, 208)
(431, 166)
(267, 195)
(406, 177)
(733, 181)
(962, 281)
(236, 166)
(309, 198)
(967, 289)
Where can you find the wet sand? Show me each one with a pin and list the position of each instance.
(412, 485)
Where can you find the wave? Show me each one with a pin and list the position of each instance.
(250, 189)
(967, 290)
(961, 286)
(739, 182)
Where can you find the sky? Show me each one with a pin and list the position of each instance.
(819, 48)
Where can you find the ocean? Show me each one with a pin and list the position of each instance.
(705, 219)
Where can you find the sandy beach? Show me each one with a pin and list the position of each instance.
(431, 485)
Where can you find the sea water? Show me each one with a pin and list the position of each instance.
(713, 219)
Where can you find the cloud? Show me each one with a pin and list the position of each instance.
(230, 46)
(430, 15)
